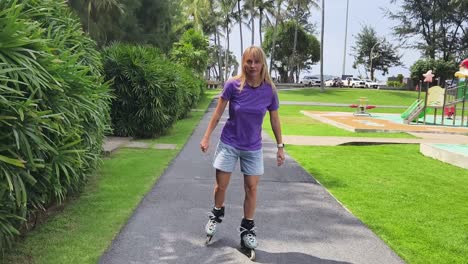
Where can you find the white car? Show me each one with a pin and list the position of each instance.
(371, 84)
(354, 82)
(310, 81)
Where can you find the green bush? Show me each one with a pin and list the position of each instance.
(151, 93)
(396, 84)
(53, 109)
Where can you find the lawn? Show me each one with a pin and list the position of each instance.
(350, 96)
(295, 123)
(417, 205)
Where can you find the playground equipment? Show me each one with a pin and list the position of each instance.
(362, 107)
(437, 98)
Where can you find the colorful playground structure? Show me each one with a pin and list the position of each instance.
(362, 107)
(437, 98)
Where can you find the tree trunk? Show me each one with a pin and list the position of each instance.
(260, 26)
(252, 17)
(226, 66)
(293, 55)
(275, 32)
(239, 18)
(220, 66)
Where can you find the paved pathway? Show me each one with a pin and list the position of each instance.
(298, 220)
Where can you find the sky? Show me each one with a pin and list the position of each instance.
(361, 12)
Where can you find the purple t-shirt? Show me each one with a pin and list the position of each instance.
(247, 108)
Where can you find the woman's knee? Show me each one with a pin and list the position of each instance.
(220, 188)
(250, 188)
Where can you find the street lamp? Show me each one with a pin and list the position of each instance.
(371, 58)
(346, 37)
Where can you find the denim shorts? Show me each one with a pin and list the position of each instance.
(251, 162)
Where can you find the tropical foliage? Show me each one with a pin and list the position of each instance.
(132, 21)
(53, 105)
(191, 51)
(151, 93)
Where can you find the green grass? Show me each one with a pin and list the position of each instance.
(89, 223)
(295, 123)
(82, 232)
(417, 205)
(350, 96)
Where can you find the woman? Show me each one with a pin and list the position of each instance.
(250, 95)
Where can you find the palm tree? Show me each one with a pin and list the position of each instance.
(239, 20)
(296, 6)
(265, 8)
(227, 16)
(278, 17)
(197, 10)
(102, 5)
(251, 6)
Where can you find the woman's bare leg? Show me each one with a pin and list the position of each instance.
(250, 201)
(222, 182)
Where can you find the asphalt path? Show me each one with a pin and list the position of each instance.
(297, 220)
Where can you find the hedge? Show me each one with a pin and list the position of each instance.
(150, 92)
(53, 109)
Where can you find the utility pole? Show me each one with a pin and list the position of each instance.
(322, 82)
(346, 37)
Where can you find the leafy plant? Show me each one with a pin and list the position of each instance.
(54, 109)
(151, 93)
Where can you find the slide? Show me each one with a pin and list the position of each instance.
(414, 107)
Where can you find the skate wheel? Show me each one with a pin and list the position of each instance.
(208, 239)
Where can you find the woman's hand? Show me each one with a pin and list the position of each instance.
(204, 144)
(280, 156)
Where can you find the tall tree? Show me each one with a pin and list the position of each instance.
(278, 17)
(226, 13)
(239, 21)
(374, 53)
(436, 28)
(197, 10)
(266, 8)
(307, 53)
(298, 9)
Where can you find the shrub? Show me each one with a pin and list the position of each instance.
(53, 105)
(151, 93)
(396, 84)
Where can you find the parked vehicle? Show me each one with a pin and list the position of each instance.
(354, 82)
(371, 84)
(335, 82)
(310, 81)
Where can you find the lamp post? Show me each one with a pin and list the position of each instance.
(371, 58)
(322, 84)
(345, 38)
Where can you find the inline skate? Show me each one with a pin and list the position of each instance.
(248, 238)
(215, 217)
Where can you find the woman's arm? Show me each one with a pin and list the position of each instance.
(276, 126)
(205, 142)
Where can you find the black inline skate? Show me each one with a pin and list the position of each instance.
(248, 238)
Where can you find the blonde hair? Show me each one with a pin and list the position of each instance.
(257, 53)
